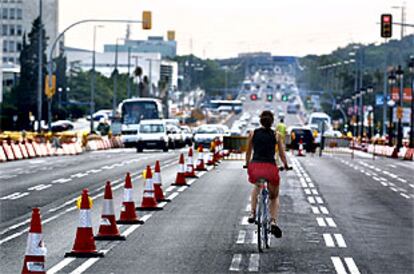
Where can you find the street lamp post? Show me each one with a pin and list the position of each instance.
(129, 73)
(361, 104)
(371, 114)
(115, 75)
(411, 69)
(40, 70)
(391, 103)
(400, 77)
(93, 80)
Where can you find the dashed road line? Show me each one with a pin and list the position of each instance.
(351, 265)
(330, 222)
(241, 237)
(254, 262)
(340, 240)
(244, 220)
(324, 210)
(172, 196)
(339, 266)
(56, 268)
(235, 262)
(321, 221)
(315, 210)
(328, 240)
(61, 181)
(319, 200)
(311, 199)
(405, 195)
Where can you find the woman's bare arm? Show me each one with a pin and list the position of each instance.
(281, 150)
(249, 148)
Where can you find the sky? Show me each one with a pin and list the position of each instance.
(224, 28)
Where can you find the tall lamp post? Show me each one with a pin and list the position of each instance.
(391, 104)
(400, 77)
(411, 69)
(93, 79)
(362, 92)
(371, 112)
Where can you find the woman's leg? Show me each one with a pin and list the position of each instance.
(274, 201)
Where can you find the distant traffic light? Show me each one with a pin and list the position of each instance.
(253, 97)
(270, 97)
(386, 25)
(146, 20)
(284, 97)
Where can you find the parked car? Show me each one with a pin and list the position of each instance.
(61, 125)
(292, 108)
(176, 136)
(103, 113)
(300, 133)
(207, 133)
(188, 135)
(152, 134)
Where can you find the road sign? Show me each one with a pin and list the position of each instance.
(50, 90)
(407, 94)
(379, 99)
(386, 25)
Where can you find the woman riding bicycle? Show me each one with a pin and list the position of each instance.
(263, 142)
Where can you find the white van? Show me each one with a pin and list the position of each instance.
(318, 118)
(152, 134)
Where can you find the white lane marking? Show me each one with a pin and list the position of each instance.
(314, 192)
(394, 189)
(191, 182)
(319, 200)
(106, 167)
(402, 180)
(10, 196)
(15, 226)
(324, 210)
(307, 191)
(412, 185)
(64, 204)
(39, 187)
(405, 195)
(181, 189)
(130, 230)
(254, 262)
(402, 189)
(340, 240)
(242, 237)
(311, 200)
(146, 217)
(351, 265)
(328, 240)
(315, 210)
(254, 237)
(304, 185)
(15, 235)
(172, 196)
(384, 183)
(61, 181)
(79, 175)
(391, 184)
(311, 185)
(321, 221)
(339, 267)
(94, 170)
(376, 178)
(170, 188)
(391, 165)
(393, 175)
(383, 179)
(162, 204)
(201, 173)
(235, 262)
(248, 207)
(308, 180)
(88, 263)
(377, 169)
(244, 221)
(57, 267)
(330, 222)
(21, 195)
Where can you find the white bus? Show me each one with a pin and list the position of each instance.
(227, 105)
(132, 112)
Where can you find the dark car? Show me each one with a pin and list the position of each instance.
(295, 134)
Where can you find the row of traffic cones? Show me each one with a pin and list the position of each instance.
(84, 245)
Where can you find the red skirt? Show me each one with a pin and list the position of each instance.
(267, 171)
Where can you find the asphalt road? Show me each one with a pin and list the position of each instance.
(338, 215)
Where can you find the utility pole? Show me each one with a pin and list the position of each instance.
(39, 69)
(93, 80)
(115, 82)
(129, 74)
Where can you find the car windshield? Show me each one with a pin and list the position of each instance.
(207, 130)
(151, 128)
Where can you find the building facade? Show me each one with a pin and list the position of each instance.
(16, 18)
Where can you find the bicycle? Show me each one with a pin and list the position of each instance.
(262, 213)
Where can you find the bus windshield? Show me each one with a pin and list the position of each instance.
(134, 112)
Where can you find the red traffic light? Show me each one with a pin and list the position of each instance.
(253, 97)
(386, 25)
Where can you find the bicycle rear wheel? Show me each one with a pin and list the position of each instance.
(259, 226)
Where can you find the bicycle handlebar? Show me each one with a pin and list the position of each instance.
(281, 168)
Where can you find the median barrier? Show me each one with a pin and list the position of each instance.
(236, 147)
(3, 157)
(8, 151)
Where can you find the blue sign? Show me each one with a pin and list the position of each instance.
(379, 99)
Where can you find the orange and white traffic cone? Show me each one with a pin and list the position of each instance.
(189, 173)
(180, 179)
(34, 260)
(84, 246)
(159, 194)
(108, 230)
(200, 161)
(149, 203)
(300, 150)
(128, 214)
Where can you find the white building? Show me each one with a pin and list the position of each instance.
(16, 18)
(153, 66)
